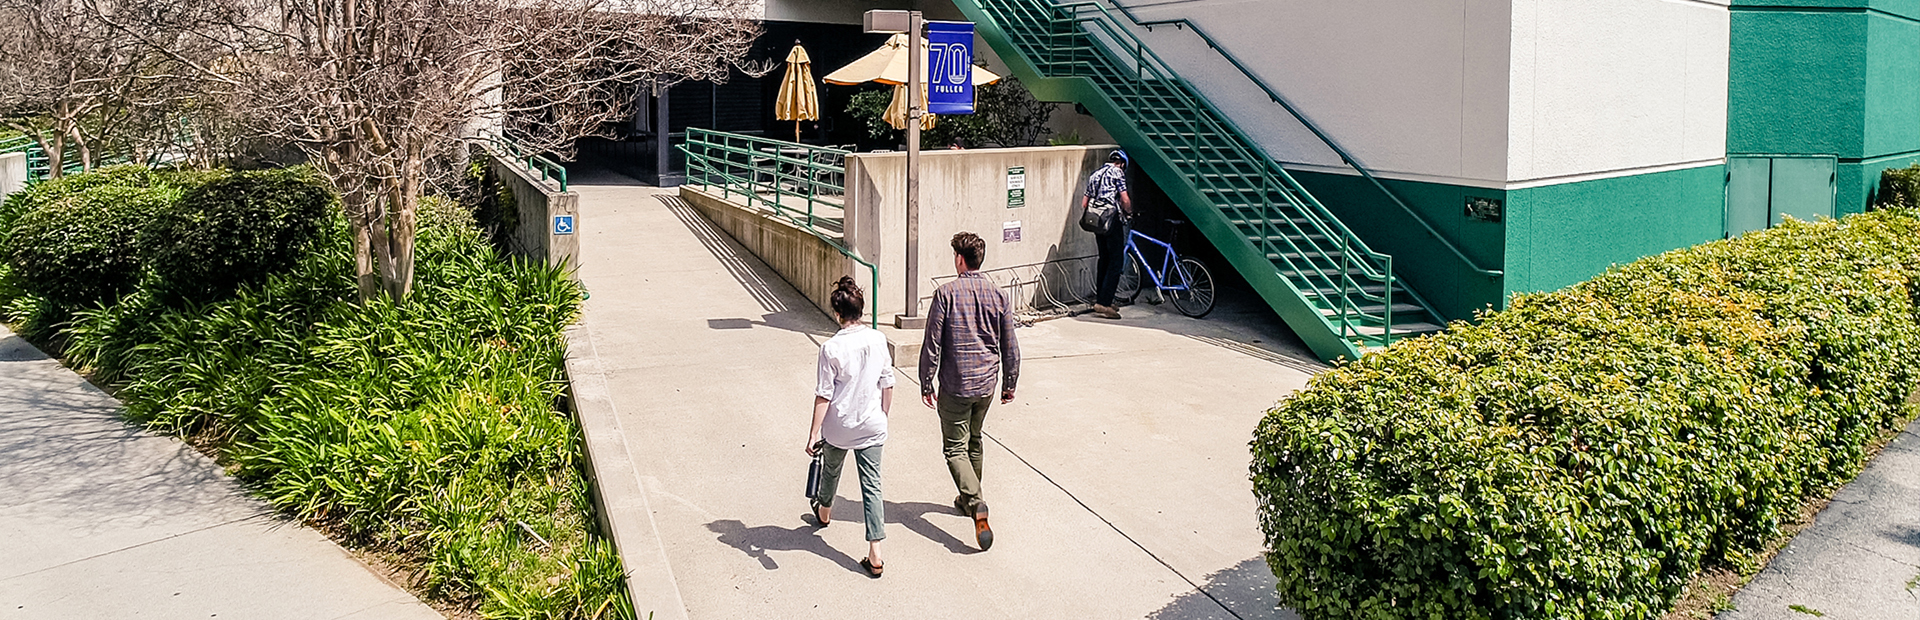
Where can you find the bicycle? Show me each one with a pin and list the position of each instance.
(1183, 280)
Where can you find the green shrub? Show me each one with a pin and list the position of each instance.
(426, 428)
(1899, 188)
(1584, 452)
(235, 229)
(45, 193)
(82, 249)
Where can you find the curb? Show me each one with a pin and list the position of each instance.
(618, 496)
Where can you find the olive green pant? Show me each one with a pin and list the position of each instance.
(960, 427)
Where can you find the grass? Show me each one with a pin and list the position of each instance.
(428, 433)
(1807, 610)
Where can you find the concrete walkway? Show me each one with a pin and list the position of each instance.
(1118, 479)
(102, 520)
(1861, 558)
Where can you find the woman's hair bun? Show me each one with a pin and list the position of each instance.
(846, 283)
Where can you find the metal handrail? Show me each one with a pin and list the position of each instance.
(534, 162)
(1081, 55)
(737, 163)
(1379, 269)
(714, 155)
(1345, 157)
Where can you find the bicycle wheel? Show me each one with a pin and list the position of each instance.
(1197, 300)
(1130, 279)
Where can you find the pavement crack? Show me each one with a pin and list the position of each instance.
(1116, 528)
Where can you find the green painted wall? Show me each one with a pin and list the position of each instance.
(1454, 289)
(1562, 234)
(1838, 77)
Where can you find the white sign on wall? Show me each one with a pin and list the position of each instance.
(1010, 232)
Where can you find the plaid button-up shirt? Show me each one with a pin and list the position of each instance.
(1107, 183)
(969, 340)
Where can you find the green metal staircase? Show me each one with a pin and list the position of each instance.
(1340, 296)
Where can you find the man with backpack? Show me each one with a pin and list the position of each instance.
(1107, 189)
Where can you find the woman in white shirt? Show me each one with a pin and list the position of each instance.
(850, 406)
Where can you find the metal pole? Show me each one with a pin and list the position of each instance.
(914, 105)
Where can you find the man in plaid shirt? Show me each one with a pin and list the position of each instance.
(968, 346)
(1109, 185)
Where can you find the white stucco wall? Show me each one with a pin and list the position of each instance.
(1603, 89)
(1489, 93)
(1414, 89)
(13, 173)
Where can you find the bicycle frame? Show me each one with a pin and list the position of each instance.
(1168, 260)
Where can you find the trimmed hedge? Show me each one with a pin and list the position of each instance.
(1585, 452)
(87, 239)
(82, 249)
(234, 230)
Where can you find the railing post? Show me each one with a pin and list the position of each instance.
(1388, 294)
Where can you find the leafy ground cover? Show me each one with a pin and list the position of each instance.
(1586, 453)
(427, 433)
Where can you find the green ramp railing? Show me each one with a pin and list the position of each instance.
(525, 157)
(802, 183)
(799, 183)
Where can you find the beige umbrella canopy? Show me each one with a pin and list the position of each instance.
(797, 100)
(888, 65)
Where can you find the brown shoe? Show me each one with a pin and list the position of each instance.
(1106, 312)
(981, 532)
(961, 505)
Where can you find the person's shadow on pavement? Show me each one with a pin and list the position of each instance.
(757, 541)
(913, 515)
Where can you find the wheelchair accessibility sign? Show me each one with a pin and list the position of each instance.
(563, 224)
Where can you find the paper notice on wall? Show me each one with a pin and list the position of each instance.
(1016, 186)
(1010, 232)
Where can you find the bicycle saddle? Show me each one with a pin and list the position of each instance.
(1176, 222)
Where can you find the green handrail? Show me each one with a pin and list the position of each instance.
(737, 163)
(533, 162)
(1186, 24)
(734, 163)
(1378, 269)
(1072, 40)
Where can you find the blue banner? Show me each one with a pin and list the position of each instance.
(950, 67)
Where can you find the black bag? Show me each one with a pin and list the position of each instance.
(1101, 217)
(813, 470)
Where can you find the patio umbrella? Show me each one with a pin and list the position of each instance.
(897, 110)
(888, 65)
(797, 100)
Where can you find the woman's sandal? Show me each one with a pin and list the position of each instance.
(872, 571)
(816, 505)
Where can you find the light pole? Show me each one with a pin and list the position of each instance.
(908, 22)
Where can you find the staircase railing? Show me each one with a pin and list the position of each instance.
(1345, 157)
(1149, 67)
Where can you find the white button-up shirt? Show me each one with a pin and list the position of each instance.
(854, 367)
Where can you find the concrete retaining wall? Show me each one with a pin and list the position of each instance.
(967, 190)
(13, 173)
(540, 203)
(804, 260)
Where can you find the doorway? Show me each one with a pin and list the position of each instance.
(1763, 189)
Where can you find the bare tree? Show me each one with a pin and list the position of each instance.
(65, 79)
(380, 94)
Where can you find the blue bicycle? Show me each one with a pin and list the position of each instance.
(1182, 280)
